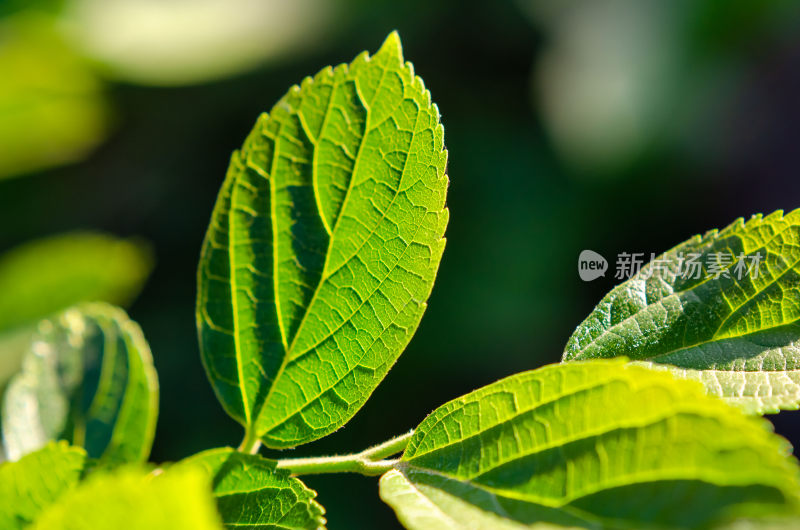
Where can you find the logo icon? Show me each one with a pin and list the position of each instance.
(591, 265)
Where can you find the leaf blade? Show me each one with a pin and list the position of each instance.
(134, 499)
(36, 481)
(302, 312)
(251, 492)
(554, 446)
(742, 334)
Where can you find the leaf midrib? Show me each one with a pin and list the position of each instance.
(690, 409)
(707, 475)
(290, 346)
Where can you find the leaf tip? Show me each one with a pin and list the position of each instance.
(392, 46)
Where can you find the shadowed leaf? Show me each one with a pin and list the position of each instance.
(732, 323)
(88, 378)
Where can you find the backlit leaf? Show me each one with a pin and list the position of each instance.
(323, 248)
(592, 444)
(738, 331)
(132, 499)
(36, 481)
(252, 493)
(88, 378)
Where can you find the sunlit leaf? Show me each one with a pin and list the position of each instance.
(252, 493)
(52, 110)
(88, 377)
(593, 444)
(738, 325)
(134, 500)
(36, 481)
(323, 247)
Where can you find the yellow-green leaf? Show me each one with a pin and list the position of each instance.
(36, 481)
(52, 107)
(323, 248)
(132, 499)
(598, 444)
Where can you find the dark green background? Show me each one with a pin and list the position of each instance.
(508, 294)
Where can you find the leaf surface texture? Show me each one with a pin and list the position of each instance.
(251, 493)
(736, 332)
(591, 445)
(323, 247)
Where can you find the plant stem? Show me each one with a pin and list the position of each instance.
(369, 462)
(250, 444)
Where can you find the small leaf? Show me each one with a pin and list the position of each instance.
(323, 248)
(591, 444)
(740, 328)
(252, 493)
(36, 481)
(88, 377)
(52, 103)
(47, 275)
(131, 499)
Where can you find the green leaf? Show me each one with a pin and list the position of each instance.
(590, 444)
(323, 248)
(131, 499)
(737, 333)
(36, 481)
(252, 493)
(88, 377)
(47, 275)
(52, 107)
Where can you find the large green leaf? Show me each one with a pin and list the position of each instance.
(323, 247)
(737, 332)
(590, 444)
(252, 493)
(88, 377)
(132, 499)
(36, 481)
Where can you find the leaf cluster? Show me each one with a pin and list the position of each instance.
(319, 259)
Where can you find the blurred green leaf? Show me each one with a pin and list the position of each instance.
(36, 481)
(323, 248)
(88, 377)
(135, 500)
(252, 493)
(44, 276)
(737, 330)
(592, 444)
(52, 110)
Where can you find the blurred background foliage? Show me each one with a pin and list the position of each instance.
(613, 125)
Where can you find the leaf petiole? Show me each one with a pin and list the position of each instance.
(369, 462)
(250, 444)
